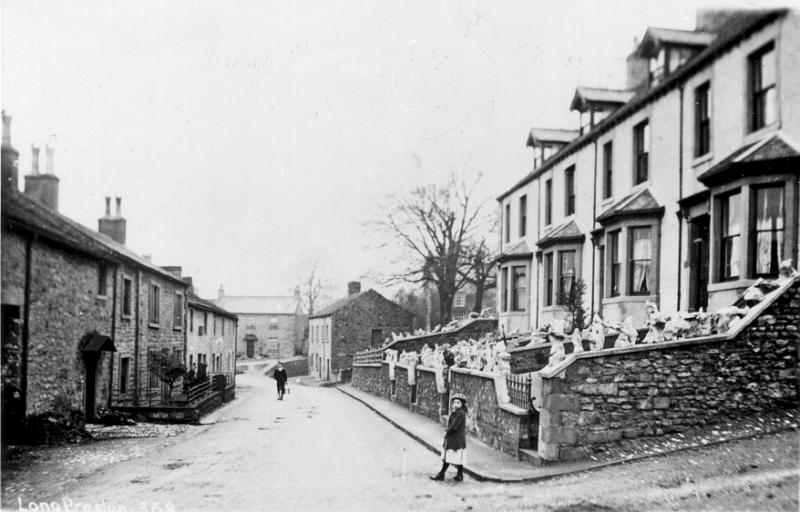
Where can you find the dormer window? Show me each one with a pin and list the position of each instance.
(595, 104)
(547, 142)
(669, 49)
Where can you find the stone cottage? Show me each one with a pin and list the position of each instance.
(211, 337)
(80, 310)
(358, 321)
(269, 326)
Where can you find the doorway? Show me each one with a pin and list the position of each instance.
(698, 262)
(376, 339)
(90, 363)
(251, 348)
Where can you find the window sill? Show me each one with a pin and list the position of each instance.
(101, 300)
(153, 326)
(702, 159)
(733, 284)
(127, 317)
(607, 201)
(177, 328)
(757, 135)
(629, 298)
(553, 309)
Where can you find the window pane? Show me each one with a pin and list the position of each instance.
(767, 70)
(769, 213)
(770, 110)
(731, 251)
(641, 243)
(646, 138)
(731, 215)
(642, 277)
(769, 247)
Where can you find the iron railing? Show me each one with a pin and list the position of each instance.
(519, 389)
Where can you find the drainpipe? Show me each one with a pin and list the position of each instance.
(680, 197)
(113, 334)
(136, 333)
(594, 216)
(536, 257)
(23, 380)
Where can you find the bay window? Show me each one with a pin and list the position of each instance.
(730, 240)
(566, 275)
(519, 282)
(641, 261)
(768, 230)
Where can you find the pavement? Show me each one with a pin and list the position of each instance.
(488, 464)
(484, 463)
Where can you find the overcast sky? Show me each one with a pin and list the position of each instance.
(245, 136)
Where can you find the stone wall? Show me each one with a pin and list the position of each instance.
(501, 426)
(474, 329)
(429, 400)
(64, 306)
(402, 391)
(494, 425)
(372, 379)
(670, 387)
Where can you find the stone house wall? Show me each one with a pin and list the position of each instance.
(474, 330)
(353, 323)
(670, 387)
(272, 343)
(211, 344)
(64, 306)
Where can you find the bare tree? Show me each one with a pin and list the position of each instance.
(312, 286)
(434, 225)
(477, 270)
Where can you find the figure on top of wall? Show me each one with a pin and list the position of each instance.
(786, 271)
(555, 335)
(577, 344)
(627, 334)
(597, 333)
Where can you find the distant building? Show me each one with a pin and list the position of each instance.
(464, 302)
(80, 311)
(211, 338)
(269, 326)
(358, 321)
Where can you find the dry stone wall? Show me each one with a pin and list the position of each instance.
(474, 330)
(671, 388)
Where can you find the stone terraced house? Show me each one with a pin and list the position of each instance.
(80, 310)
(211, 337)
(680, 189)
(360, 320)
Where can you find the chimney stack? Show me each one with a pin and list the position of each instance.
(353, 287)
(114, 227)
(10, 157)
(189, 283)
(220, 293)
(638, 70)
(175, 270)
(43, 187)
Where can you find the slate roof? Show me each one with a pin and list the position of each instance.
(32, 215)
(206, 305)
(735, 30)
(776, 147)
(599, 95)
(640, 202)
(259, 305)
(537, 135)
(339, 304)
(567, 232)
(519, 250)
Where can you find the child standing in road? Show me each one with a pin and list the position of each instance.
(454, 450)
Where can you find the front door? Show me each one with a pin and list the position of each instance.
(90, 363)
(251, 348)
(376, 340)
(698, 267)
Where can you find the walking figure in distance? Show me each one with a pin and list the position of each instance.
(280, 377)
(455, 439)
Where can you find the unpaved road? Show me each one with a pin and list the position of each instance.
(320, 450)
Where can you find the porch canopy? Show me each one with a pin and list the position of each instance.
(96, 342)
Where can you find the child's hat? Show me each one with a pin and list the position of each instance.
(459, 396)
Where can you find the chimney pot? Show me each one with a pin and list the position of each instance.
(108, 206)
(10, 157)
(6, 129)
(50, 151)
(220, 292)
(34, 159)
(119, 206)
(113, 227)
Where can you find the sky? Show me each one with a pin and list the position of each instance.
(248, 137)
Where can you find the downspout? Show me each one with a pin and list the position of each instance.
(536, 257)
(680, 197)
(23, 381)
(136, 333)
(113, 335)
(594, 216)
